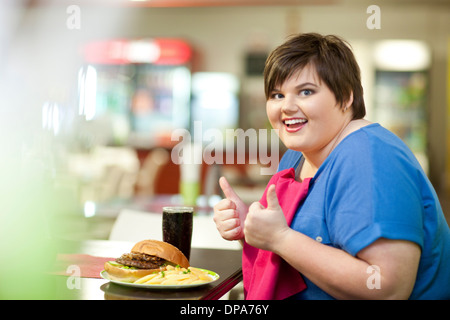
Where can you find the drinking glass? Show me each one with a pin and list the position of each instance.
(177, 227)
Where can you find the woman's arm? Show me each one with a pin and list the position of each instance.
(392, 275)
(338, 273)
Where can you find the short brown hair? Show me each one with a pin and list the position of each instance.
(333, 60)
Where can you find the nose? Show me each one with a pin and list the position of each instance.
(290, 105)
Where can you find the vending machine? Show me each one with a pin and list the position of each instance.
(138, 90)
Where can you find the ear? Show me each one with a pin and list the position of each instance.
(347, 104)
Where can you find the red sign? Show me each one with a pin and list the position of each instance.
(162, 51)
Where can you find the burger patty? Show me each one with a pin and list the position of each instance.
(140, 260)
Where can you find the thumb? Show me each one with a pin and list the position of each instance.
(228, 190)
(272, 198)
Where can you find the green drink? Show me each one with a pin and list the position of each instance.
(189, 192)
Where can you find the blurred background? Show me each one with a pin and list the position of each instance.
(91, 92)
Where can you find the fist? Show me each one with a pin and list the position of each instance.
(263, 225)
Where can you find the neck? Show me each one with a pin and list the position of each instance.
(313, 160)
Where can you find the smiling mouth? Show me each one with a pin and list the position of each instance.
(293, 125)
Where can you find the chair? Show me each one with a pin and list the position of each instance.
(151, 168)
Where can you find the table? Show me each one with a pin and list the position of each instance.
(227, 263)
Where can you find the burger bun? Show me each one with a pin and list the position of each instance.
(171, 254)
(162, 250)
(119, 272)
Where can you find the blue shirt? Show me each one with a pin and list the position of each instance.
(371, 186)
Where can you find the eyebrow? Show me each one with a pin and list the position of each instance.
(306, 84)
(299, 86)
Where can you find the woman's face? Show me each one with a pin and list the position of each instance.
(306, 113)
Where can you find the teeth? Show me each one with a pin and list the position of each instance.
(294, 121)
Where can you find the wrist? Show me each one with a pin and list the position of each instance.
(281, 240)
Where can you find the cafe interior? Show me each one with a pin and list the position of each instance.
(97, 96)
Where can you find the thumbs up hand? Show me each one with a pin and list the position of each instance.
(230, 213)
(263, 225)
(272, 199)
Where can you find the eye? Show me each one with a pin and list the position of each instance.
(276, 96)
(306, 92)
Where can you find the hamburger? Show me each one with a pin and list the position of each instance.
(146, 257)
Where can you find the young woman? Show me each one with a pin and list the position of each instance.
(369, 225)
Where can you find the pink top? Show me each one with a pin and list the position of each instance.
(266, 275)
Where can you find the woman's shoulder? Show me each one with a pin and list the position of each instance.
(374, 143)
(290, 159)
(374, 136)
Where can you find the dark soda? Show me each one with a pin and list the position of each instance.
(177, 227)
